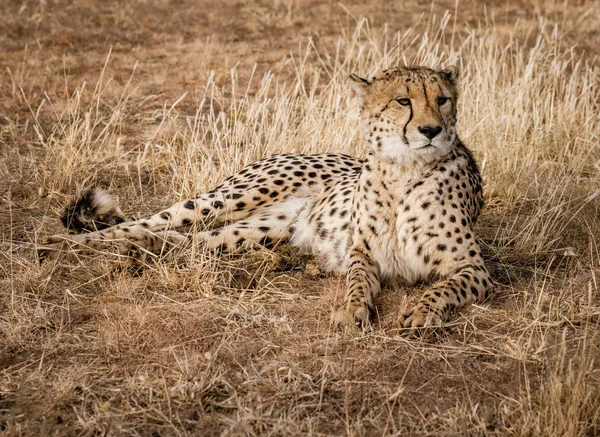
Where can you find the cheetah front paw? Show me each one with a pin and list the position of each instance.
(351, 317)
(421, 316)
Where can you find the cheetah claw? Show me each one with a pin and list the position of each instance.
(420, 317)
(346, 317)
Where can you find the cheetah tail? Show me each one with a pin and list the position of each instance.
(93, 210)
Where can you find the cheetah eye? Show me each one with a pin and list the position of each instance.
(403, 102)
(442, 100)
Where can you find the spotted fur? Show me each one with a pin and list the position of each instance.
(405, 212)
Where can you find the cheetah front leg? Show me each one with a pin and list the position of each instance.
(470, 283)
(363, 286)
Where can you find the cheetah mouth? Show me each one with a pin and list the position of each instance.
(426, 147)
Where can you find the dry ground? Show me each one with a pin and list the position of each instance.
(160, 99)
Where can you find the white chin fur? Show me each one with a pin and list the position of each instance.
(396, 150)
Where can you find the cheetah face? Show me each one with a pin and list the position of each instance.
(409, 112)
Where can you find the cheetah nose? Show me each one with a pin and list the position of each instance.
(430, 131)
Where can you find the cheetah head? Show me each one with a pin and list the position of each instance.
(409, 112)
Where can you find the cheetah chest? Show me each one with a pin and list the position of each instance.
(405, 236)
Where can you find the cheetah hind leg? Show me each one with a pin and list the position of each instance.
(266, 228)
(141, 245)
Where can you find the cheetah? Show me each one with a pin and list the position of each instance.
(405, 212)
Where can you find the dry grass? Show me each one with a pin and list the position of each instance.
(238, 346)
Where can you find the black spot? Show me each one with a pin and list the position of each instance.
(165, 215)
(441, 247)
(240, 205)
(264, 228)
(266, 241)
(190, 204)
(273, 194)
(186, 222)
(217, 204)
(278, 182)
(205, 211)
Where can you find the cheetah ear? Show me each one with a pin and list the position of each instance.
(360, 86)
(451, 73)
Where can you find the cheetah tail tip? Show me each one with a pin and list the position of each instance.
(93, 210)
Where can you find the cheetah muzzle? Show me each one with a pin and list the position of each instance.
(406, 211)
